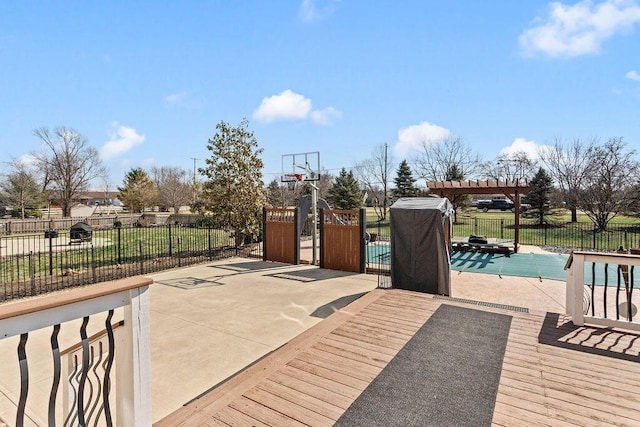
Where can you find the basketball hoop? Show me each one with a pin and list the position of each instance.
(290, 177)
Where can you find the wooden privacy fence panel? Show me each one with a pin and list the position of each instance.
(342, 240)
(281, 238)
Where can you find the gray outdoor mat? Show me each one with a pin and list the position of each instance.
(446, 375)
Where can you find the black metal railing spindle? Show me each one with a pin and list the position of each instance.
(85, 371)
(57, 368)
(24, 379)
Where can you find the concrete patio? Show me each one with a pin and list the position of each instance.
(211, 321)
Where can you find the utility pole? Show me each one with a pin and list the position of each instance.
(194, 178)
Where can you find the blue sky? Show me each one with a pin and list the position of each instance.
(147, 82)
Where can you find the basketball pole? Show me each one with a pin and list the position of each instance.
(314, 204)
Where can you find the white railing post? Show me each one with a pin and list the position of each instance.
(133, 361)
(132, 351)
(575, 290)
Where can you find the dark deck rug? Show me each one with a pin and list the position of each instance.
(446, 375)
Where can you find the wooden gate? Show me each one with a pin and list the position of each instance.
(281, 239)
(342, 243)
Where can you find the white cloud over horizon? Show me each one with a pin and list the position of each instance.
(315, 10)
(414, 137)
(633, 75)
(522, 145)
(122, 140)
(325, 117)
(181, 99)
(579, 29)
(290, 106)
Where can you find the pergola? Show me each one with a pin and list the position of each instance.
(511, 189)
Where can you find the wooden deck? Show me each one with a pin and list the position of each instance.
(553, 372)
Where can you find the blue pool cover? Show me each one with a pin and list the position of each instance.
(544, 266)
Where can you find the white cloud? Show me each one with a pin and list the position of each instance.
(181, 99)
(287, 105)
(325, 116)
(579, 29)
(315, 10)
(414, 137)
(633, 75)
(28, 160)
(123, 139)
(521, 145)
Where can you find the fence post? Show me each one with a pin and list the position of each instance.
(32, 274)
(119, 255)
(296, 235)
(209, 242)
(363, 232)
(502, 229)
(322, 246)
(264, 234)
(50, 256)
(141, 257)
(93, 264)
(179, 262)
(594, 237)
(475, 226)
(170, 242)
(544, 225)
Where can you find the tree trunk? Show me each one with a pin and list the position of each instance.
(574, 213)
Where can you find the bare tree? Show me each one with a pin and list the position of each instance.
(448, 160)
(68, 164)
(437, 160)
(511, 167)
(608, 186)
(568, 165)
(374, 175)
(173, 187)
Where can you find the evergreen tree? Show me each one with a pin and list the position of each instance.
(538, 198)
(345, 192)
(275, 194)
(138, 191)
(21, 190)
(405, 182)
(233, 192)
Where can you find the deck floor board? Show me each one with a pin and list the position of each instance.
(553, 373)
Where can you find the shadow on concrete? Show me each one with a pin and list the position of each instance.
(250, 266)
(328, 309)
(311, 274)
(586, 339)
(190, 282)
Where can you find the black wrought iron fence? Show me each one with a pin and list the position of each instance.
(567, 236)
(34, 264)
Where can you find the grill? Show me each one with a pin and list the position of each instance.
(80, 232)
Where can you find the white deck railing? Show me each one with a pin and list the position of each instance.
(88, 395)
(603, 289)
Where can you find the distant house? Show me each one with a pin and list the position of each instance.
(99, 198)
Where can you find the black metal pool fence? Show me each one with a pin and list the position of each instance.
(38, 263)
(45, 261)
(563, 236)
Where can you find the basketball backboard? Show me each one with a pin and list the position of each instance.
(301, 167)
